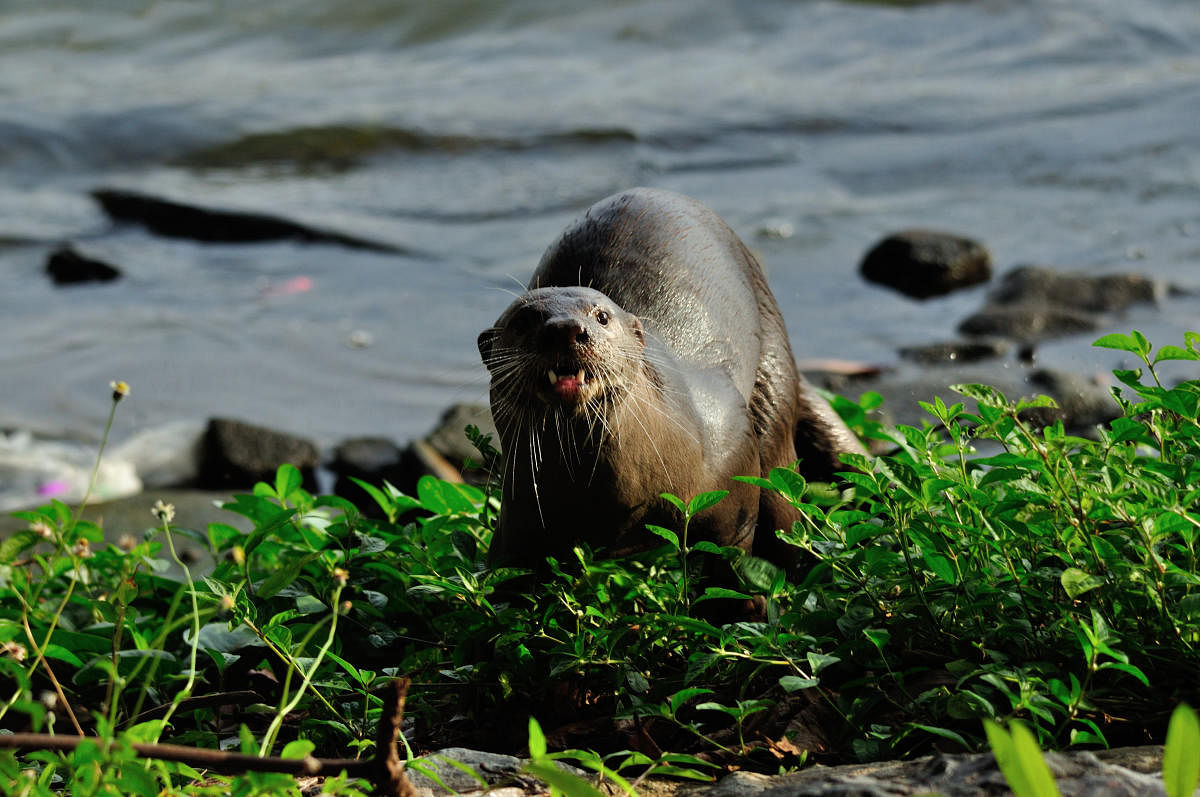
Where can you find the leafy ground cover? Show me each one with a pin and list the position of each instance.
(989, 566)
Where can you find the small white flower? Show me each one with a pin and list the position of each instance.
(14, 650)
(163, 511)
(82, 549)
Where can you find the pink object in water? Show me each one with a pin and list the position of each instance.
(53, 488)
(286, 288)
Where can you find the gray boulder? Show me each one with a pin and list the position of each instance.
(925, 263)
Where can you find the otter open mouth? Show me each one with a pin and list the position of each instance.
(569, 385)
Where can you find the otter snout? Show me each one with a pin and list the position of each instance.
(562, 334)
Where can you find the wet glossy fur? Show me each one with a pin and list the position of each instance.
(689, 380)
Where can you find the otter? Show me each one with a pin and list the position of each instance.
(648, 355)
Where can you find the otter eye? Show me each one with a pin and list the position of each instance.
(602, 316)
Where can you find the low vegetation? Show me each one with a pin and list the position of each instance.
(990, 566)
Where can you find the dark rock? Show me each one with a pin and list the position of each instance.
(1096, 294)
(1028, 322)
(441, 454)
(177, 220)
(956, 351)
(1082, 403)
(449, 438)
(374, 460)
(238, 454)
(67, 267)
(1076, 773)
(925, 263)
(450, 773)
(1033, 303)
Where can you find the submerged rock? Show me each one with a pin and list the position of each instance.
(956, 351)
(925, 263)
(67, 267)
(1105, 293)
(1029, 323)
(1033, 303)
(179, 220)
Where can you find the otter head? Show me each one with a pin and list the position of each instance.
(566, 347)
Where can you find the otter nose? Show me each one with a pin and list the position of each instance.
(565, 332)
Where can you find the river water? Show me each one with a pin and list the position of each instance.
(469, 133)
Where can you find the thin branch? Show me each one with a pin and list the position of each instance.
(386, 770)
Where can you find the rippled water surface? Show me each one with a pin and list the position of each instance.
(1056, 132)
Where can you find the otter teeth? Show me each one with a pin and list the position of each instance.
(581, 377)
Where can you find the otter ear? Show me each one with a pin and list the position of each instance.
(635, 326)
(486, 338)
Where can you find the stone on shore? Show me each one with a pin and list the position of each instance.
(238, 454)
(956, 351)
(1129, 772)
(441, 453)
(1033, 303)
(1105, 293)
(1082, 403)
(926, 263)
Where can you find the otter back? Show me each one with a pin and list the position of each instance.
(647, 356)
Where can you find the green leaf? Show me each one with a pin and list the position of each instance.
(986, 395)
(674, 501)
(789, 483)
(17, 543)
(757, 481)
(711, 593)
(945, 733)
(248, 742)
(287, 480)
(684, 695)
(1175, 353)
(879, 636)
(666, 534)
(537, 739)
(794, 683)
(1076, 582)
(1020, 760)
(1126, 668)
(819, 661)
(1181, 755)
(62, 654)
(1122, 343)
(941, 567)
(448, 498)
(705, 501)
(284, 576)
(565, 782)
(300, 748)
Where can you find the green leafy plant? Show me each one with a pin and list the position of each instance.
(1181, 753)
(1020, 760)
(989, 566)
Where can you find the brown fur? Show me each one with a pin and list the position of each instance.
(689, 381)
